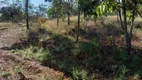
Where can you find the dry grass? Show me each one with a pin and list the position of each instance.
(138, 19)
(63, 27)
(6, 24)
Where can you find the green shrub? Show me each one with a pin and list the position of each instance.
(86, 47)
(121, 73)
(33, 53)
(82, 74)
(79, 74)
(42, 56)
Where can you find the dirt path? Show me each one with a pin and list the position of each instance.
(9, 36)
(11, 65)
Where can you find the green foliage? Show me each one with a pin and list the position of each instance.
(136, 76)
(79, 74)
(5, 74)
(135, 61)
(121, 55)
(41, 9)
(8, 13)
(51, 12)
(33, 53)
(86, 48)
(95, 42)
(76, 50)
(107, 6)
(63, 44)
(14, 11)
(57, 9)
(88, 6)
(42, 56)
(122, 73)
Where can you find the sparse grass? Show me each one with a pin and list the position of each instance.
(61, 29)
(12, 71)
(43, 77)
(15, 70)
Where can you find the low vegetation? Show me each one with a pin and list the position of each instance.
(80, 39)
(99, 54)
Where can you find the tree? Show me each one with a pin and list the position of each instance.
(13, 11)
(8, 13)
(126, 34)
(58, 5)
(126, 5)
(27, 15)
(88, 8)
(31, 9)
(51, 12)
(42, 10)
(69, 8)
(132, 5)
(62, 8)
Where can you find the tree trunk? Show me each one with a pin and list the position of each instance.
(132, 22)
(120, 18)
(127, 37)
(85, 15)
(57, 22)
(69, 12)
(68, 18)
(78, 26)
(27, 15)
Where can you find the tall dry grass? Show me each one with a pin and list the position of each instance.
(6, 24)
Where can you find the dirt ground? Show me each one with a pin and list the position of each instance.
(138, 41)
(13, 67)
